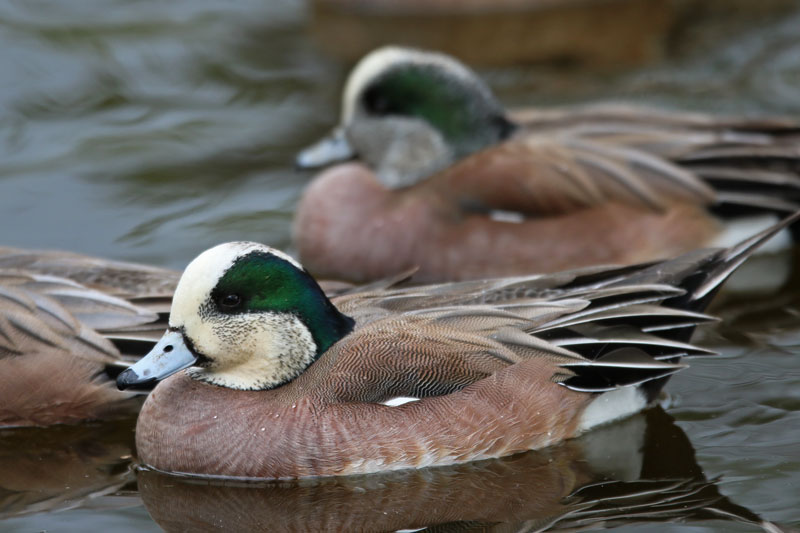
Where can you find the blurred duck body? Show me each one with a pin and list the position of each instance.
(446, 181)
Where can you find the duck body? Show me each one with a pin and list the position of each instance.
(70, 324)
(500, 193)
(384, 231)
(280, 382)
(340, 415)
(300, 430)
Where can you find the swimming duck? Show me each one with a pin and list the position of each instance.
(619, 474)
(68, 325)
(447, 181)
(283, 382)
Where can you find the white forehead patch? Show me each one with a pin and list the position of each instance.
(205, 271)
(378, 61)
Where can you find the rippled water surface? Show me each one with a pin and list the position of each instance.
(148, 131)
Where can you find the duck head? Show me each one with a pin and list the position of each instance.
(244, 316)
(408, 114)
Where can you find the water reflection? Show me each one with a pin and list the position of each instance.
(64, 467)
(757, 315)
(149, 131)
(642, 470)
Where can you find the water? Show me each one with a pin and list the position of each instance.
(149, 131)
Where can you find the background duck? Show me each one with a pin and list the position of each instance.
(285, 383)
(448, 182)
(70, 323)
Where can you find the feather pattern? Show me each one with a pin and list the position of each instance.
(494, 367)
(712, 160)
(575, 319)
(66, 327)
(551, 189)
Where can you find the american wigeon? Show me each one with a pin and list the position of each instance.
(639, 470)
(283, 382)
(68, 324)
(449, 182)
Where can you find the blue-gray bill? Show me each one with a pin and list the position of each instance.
(168, 356)
(331, 149)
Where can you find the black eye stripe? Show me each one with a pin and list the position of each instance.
(375, 101)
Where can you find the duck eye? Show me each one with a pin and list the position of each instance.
(230, 301)
(376, 102)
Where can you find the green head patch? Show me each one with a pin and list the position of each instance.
(263, 282)
(462, 109)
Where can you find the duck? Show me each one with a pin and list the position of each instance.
(427, 170)
(69, 324)
(261, 376)
(636, 479)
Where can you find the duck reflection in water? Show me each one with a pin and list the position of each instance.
(641, 470)
(65, 467)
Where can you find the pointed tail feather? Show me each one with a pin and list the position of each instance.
(736, 255)
(654, 337)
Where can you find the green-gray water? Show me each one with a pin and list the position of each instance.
(149, 131)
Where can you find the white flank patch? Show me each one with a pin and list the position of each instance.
(612, 405)
(399, 400)
(506, 216)
(768, 269)
(740, 229)
(764, 273)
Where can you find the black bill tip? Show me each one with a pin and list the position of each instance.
(129, 378)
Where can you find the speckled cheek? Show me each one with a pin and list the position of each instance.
(234, 339)
(203, 335)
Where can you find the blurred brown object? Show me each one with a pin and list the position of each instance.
(601, 33)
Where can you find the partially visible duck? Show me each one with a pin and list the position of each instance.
(283, 382)
(68, 325)
(447, 181)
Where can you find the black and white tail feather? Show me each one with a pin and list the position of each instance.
(640, 338)
(608, 328)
